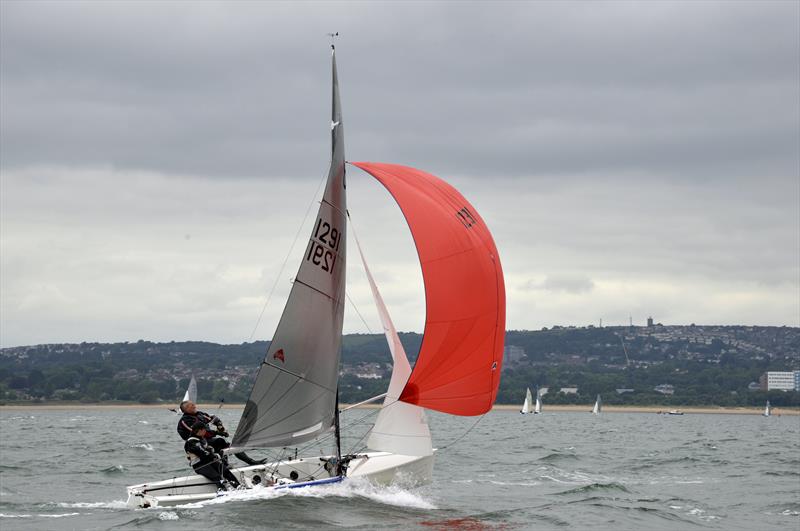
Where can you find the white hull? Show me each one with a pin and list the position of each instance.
(379, 467)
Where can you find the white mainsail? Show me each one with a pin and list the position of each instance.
(597, 406)
(767, 410)
(526, 406)
(294, 397)
(191, 391)
(538, 407)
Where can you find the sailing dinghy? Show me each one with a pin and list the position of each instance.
(767, 410)
(526, 406)
(191, 391)
(598, 405)
(537, 409)
(295, 399)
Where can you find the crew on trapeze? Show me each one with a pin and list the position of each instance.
(205, 443)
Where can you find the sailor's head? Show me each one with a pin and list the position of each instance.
(187, 406)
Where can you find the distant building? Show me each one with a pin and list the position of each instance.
(797, 380)
(649, 322)
(624, 390)
(543, 391)
(664, 389)
(513, 354)
(754, 386)
(569, 390)
(779, 381)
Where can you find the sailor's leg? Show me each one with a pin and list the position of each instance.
(227, 474)
(249, 460)
(218, 444)
(211, 469)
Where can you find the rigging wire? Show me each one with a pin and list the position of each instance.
(285, 260)
(359, 313)
(457, 439)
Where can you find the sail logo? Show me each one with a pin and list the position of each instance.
(465, 217)
(279, 355)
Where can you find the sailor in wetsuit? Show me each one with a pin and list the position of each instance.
(205, 460)
(215, 431)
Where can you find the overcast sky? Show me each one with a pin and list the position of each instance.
(631, 159)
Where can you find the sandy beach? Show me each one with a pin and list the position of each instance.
(689, 410)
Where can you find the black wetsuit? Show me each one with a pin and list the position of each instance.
(213, 436)
(206, 462)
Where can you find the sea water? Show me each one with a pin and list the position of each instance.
(69, 469)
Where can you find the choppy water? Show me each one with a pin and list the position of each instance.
(68, 470)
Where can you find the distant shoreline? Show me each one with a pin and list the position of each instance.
(497, 407)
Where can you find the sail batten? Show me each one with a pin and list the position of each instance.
(460, 360)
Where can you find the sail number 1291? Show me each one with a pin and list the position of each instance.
(324, 246)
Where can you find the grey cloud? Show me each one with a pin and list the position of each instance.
(515, 89)
(564, 282)
(643, 158)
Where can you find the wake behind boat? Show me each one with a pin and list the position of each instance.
(295, 396)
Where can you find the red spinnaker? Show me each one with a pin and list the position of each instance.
(459, 363)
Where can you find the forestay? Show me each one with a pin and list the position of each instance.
(294, 396)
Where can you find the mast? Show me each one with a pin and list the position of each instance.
(336, 119)
(338, 436)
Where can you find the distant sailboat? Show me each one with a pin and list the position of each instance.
(598, 405)
(191, 391)
(538, 407)
(190, 394)
(526, 406)
(767, 410)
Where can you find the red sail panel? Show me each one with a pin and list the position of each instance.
(460, 360)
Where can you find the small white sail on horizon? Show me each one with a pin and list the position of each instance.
(767, 409)
(598, 405)
(191, 391)
(537, 409)
(526, 406)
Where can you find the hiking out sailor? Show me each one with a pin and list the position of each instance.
(205, 460)
(215, 432)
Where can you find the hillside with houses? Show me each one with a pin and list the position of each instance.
(654, 364)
